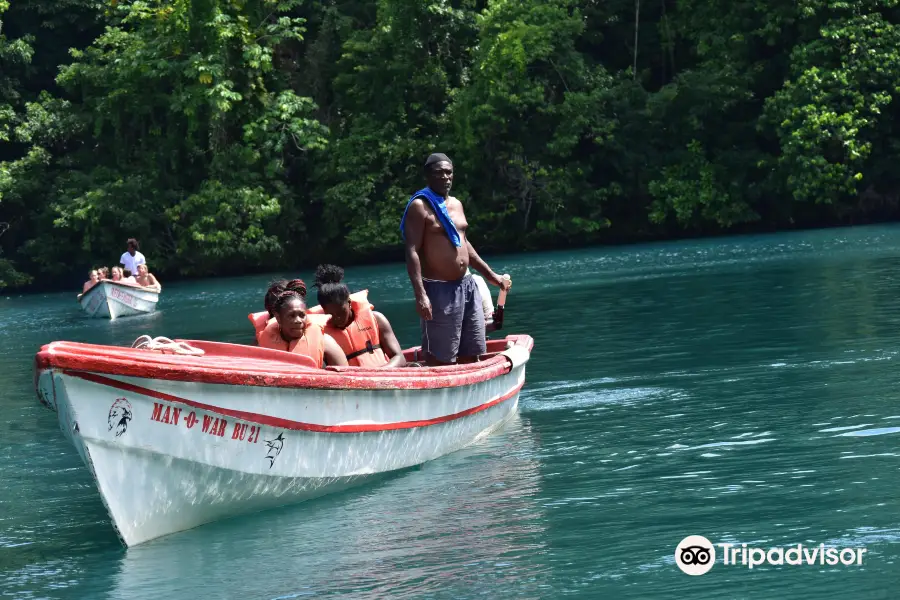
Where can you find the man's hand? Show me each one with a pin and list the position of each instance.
(423, 307)
(501, 282)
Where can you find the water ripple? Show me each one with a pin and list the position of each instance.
(738, 388)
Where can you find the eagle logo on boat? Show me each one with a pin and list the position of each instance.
(120, 414)
(275, 447)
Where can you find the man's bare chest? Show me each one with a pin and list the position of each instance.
(457, 215)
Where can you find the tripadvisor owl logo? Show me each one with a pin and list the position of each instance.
(695, 555)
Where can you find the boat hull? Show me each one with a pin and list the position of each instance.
(110, 300)
(171, 455)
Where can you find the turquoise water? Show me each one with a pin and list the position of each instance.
(744, 389)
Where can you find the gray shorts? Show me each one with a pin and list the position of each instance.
(456, 327)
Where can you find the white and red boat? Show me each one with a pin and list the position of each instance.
(111, 300)
(175, 441)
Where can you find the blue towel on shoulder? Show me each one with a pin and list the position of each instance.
(440, 209)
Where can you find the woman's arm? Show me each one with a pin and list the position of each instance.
(334, 356)
(388, 341)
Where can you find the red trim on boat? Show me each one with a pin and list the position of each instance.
(235, 364)
(280, 423)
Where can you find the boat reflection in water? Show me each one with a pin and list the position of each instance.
(447, 527)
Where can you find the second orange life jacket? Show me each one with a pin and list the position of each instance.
(360, 340)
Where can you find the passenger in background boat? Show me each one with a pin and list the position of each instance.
(438, 256)
(146, 279)
(293, 330)
(131, 258)
(93, 279)
(103, 272)
(128, 278)
(365, 336)
(116, 274)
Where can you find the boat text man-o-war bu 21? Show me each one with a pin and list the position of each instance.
(792, 555)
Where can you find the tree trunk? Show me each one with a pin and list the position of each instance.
(637, 27)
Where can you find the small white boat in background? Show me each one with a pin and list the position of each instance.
(111, 300)
(216, 430)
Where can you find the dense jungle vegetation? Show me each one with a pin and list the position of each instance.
(237, 135)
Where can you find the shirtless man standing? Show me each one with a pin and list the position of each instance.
(438, 256)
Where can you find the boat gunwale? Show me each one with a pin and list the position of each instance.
(141, 364)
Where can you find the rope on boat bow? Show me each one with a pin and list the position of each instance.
(165, 345)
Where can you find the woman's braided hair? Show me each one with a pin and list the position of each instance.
(295, 288)
(275, 288)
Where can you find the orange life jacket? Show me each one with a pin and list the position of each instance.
(259, 320)
(312, 344)
(360, 340)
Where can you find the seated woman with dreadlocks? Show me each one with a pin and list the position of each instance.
(292, 330)
(365, 336)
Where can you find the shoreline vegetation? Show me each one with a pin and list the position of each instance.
(240, 136)
(305, 269)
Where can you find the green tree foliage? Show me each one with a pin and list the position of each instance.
(180, 130)
(15, 56)
(234, 135)
(533, 125)
(395, 81)
(835, 114)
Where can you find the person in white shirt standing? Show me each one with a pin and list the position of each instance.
(131, 259)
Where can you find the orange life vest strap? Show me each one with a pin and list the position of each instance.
(369, 349)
